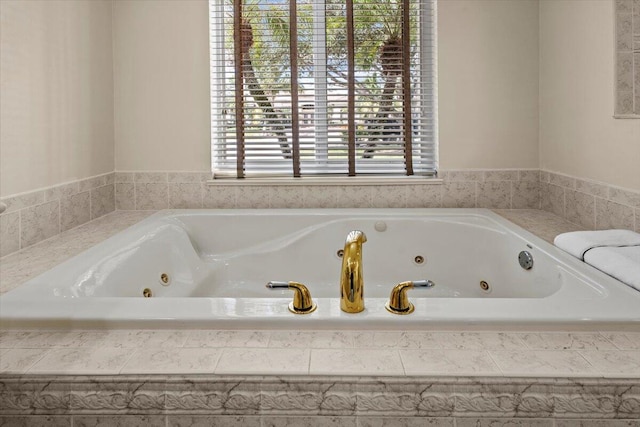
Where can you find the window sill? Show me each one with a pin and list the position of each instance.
(327, 181)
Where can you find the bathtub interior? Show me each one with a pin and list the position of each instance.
(231, 255)
(455, 254)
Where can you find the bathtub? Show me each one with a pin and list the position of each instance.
(209, 268)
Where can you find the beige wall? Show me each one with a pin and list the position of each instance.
(57, 104)
(578, 135)
(56, 79)
(488, 83)
(161, 67)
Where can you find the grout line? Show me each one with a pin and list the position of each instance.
(402, 364)
(91, 205)
(42, 356)
(595, 212)
(475, 189)
(512, 190)
(601, 333)
(495, 362)
(59, 216)
(19, 231)
(134, 351)
(598, 371)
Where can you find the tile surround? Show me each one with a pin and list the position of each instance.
(42, 214)
(589, 204)
(74, 361)
(269, 361)
(185, 195)
(39, 215)
(125, 196)
(9, 233)
(326, 399)
(18, 267)
(459, 194)
(39, 222)
(509, 188)
(75, 210)
(355, 362)
(439, 362)
(579, 208)
(180, 360)
(613, 363)
(567, 341)
(102, 200)
(543, 363)
(627, 78)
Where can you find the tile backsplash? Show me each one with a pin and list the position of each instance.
(500, 189)
(38, 215)
(627, 86)
(590, 204)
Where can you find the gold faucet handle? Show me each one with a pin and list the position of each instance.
(302, 302)
(399, 302)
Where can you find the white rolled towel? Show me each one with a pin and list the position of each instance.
(622, 263)
(577, 243)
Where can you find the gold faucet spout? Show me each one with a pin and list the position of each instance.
(351, 279)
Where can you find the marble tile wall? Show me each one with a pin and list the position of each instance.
(30, 262)
(591, 205)
(496, 189)
(296, 421)
(329, 400)
(38, 215)
(382, 354)
(627, 14)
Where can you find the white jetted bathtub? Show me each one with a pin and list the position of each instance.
(209, 268)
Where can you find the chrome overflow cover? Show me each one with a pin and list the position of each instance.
(526, 260)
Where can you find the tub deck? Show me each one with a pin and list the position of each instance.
(253, 377)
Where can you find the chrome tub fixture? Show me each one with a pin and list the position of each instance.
(351, 280)
(302, 302)
(399, 302)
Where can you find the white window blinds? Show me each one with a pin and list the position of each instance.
(314, 87)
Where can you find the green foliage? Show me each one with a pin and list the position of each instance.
(375, 21)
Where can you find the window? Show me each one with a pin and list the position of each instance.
(317, 87)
